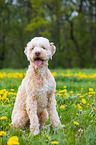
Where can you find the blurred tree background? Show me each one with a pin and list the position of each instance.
(70, 24)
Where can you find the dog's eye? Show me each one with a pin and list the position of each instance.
(43, 47)
(32, 48)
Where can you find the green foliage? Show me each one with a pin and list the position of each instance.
(71, 25)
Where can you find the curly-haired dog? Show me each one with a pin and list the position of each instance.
(35, 97)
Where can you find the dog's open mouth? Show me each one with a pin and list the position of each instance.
(38, 61)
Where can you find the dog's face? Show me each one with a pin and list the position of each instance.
(39, 50)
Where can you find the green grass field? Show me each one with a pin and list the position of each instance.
(75, 95)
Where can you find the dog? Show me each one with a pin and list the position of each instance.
(36, 95)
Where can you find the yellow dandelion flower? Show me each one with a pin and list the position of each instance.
(3, 118)
(46, 135)
(62, 74)
(76, 123)
(78, 94)
(63, 91)
(71, 92)
(54, 74)
(66, 95)
(3, 105)
(65, 87)
(72, 104)
(62, 107)
(54, 142)
(2, 133)
(55, 91)
(63, 125)
(93, 108)
(11, 89)
(79, 106)
(91, 89)
(91, 93)
(13, 140)
(10, 125)
(6, 127)
(13, 97)
(77, 114)
(81, 96)
(83, 101)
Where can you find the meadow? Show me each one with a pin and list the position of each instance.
(76, 105)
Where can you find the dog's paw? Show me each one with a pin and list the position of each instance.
(34, 132)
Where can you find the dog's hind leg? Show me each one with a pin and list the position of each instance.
(43, 117)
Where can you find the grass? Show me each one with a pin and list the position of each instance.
(75, 95)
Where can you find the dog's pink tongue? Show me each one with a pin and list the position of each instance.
(38, 62)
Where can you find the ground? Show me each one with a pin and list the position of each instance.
(76, 106)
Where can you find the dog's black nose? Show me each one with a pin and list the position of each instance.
(37, 53)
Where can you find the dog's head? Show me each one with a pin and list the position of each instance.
(39, 50)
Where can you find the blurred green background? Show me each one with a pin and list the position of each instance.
(70, 24)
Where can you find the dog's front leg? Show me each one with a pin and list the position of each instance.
(32, 114)
(54, 118)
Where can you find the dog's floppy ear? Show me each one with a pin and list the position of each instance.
(53, 48)
(25, 51)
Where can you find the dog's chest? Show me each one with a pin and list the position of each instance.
(43, 91)
(44, 86)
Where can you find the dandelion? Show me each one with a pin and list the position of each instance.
(54, 74)
(91, 89)
(13, 140)
(13, 97)
(93, 108)
(83, 101)
(79, 106)
(62, 107)
(90, 93)
(54, 142)
(10, 124)
(71, 92)
(81, 96)
(3, 118)
(66, 95)
(76, 123)
(65, 87)
(48, 136)
(62, 74)
(63, 125)
(55, 91)
(78, 94)
(11, 89)
(2, 133)
(77, 114)
(72, 104)
(63, 91)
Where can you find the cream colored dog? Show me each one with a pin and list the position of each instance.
(35, 97)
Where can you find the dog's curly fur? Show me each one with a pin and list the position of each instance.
(35, 97)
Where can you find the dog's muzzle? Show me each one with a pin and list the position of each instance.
(38, 61)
